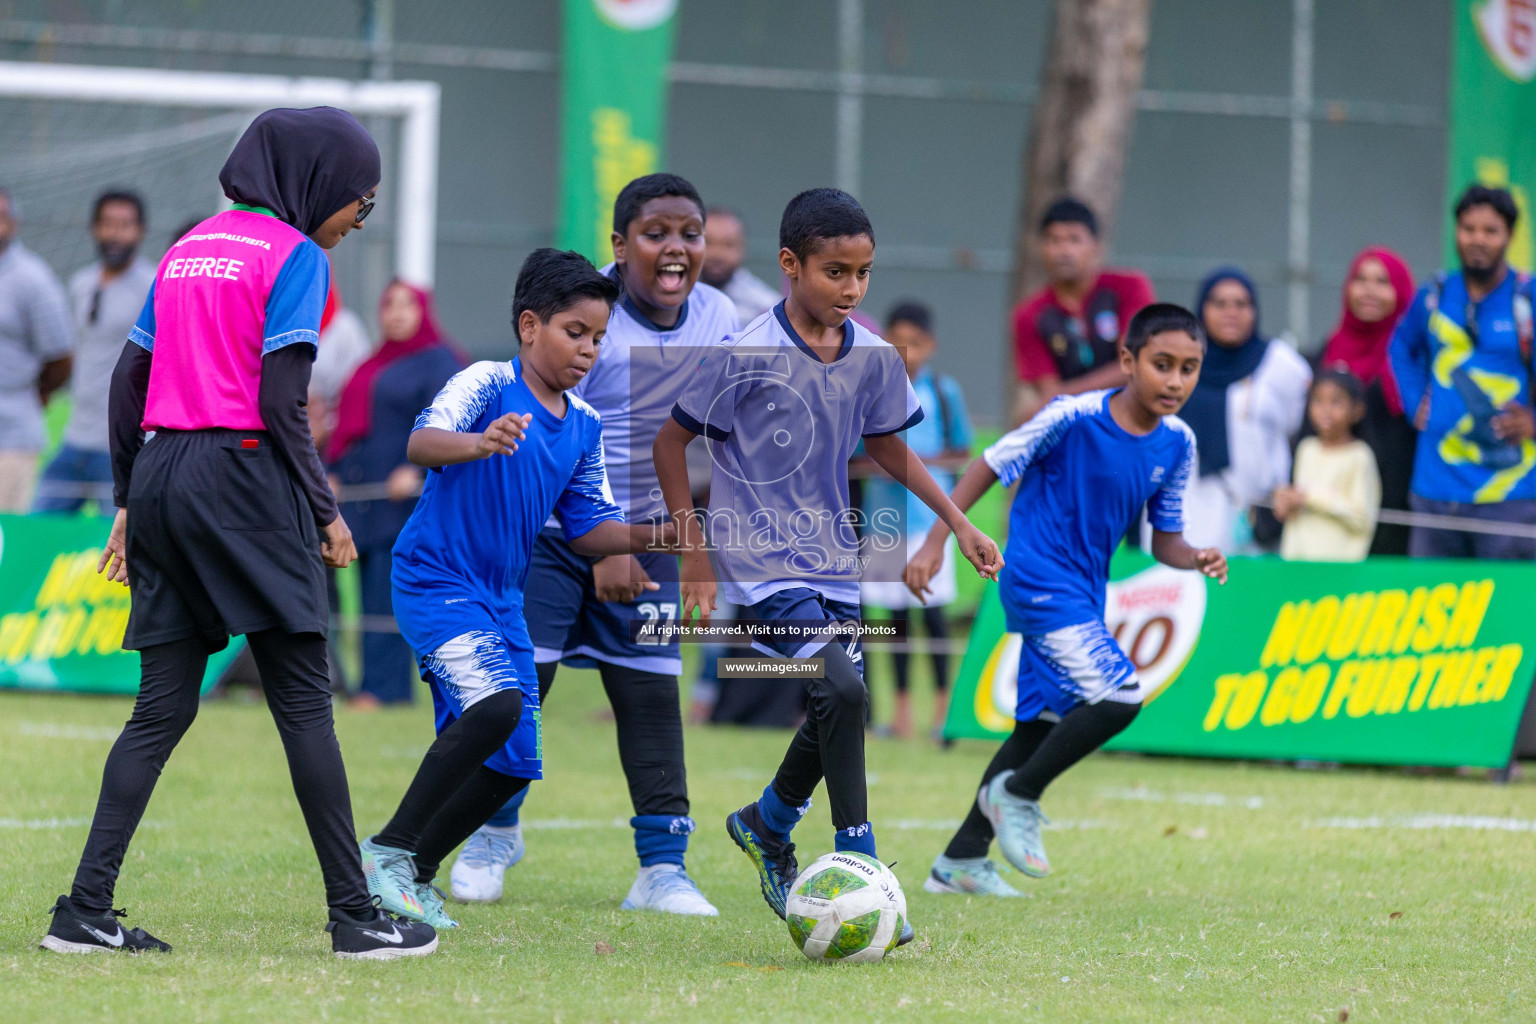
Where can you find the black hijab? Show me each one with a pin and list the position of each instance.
(1224, 366)
(303, 165)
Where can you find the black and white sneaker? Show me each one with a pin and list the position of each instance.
(79, 931)
(380, 937)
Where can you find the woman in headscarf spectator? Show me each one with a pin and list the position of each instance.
(1246, 410)
(374, 417)
(1377, 292)
(344, 344)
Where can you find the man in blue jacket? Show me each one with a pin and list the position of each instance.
(1462, 357)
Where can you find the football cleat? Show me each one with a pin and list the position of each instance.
(667, 888)
(773, 858)
(478, 874)
(1017, 823)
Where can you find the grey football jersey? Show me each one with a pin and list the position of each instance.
(781, 425)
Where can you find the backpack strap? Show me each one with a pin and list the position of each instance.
(944, 410)
(1432, 297)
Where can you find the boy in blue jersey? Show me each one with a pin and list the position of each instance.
(661, 325)
(506, 445)
(784, 403)
(1086, 464)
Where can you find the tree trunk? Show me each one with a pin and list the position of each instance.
(1082, 122)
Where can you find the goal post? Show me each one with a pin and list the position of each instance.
(415, 103)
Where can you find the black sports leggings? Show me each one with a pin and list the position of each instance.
(297, 687)
(830, 743)
(938, 632)
(649, 723)
(1038, 752)
(650, 730)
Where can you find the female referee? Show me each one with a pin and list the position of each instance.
(224, 517)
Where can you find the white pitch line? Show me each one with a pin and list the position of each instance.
(1153, 796)
(43, 823)
(901, 824)
(57, 731)
(1475, 822)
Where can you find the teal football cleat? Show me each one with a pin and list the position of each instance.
(1017, 823)
(977, 876)
(773, 858)
(391, 876)
(432, 912)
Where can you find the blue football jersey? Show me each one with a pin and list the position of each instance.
(462, 559)
(1083, 480)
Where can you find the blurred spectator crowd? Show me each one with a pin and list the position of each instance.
(1417, 408)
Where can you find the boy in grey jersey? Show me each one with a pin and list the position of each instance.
(783, 404)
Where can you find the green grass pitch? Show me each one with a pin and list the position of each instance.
(1183, 891)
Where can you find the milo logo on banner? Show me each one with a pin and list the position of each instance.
(1155, 617)
(1507, 29)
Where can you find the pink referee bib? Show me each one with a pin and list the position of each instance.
(210, 320)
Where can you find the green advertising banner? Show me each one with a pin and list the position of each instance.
(613, 105)
(61, 623)
(1493, 108)
(1389, 661)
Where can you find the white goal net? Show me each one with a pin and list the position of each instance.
(69, 133)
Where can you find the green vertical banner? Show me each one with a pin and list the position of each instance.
(613, 107)
(1493, 109)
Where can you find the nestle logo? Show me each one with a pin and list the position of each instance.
(1148, 597)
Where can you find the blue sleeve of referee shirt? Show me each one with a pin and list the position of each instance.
(142, 333)
(297, 300)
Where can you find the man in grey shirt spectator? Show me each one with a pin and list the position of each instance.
(34, 358)
(105, 298)
(725, 247)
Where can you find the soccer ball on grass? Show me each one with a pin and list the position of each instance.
(846, 908)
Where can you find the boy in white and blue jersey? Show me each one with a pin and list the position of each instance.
(506, 445)
(1086, 465)
(783, 404)
(660, 327)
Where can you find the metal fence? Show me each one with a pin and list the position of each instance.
(1280, 134)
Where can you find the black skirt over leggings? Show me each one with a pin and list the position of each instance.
(221, 541)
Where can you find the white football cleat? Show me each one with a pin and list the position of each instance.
(668, 889)
(478, 873)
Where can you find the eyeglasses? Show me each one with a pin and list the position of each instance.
(364, 208)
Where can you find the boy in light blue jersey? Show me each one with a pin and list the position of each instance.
(1086, 465)
(506, 445)
(783, 404)
(661, 325)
